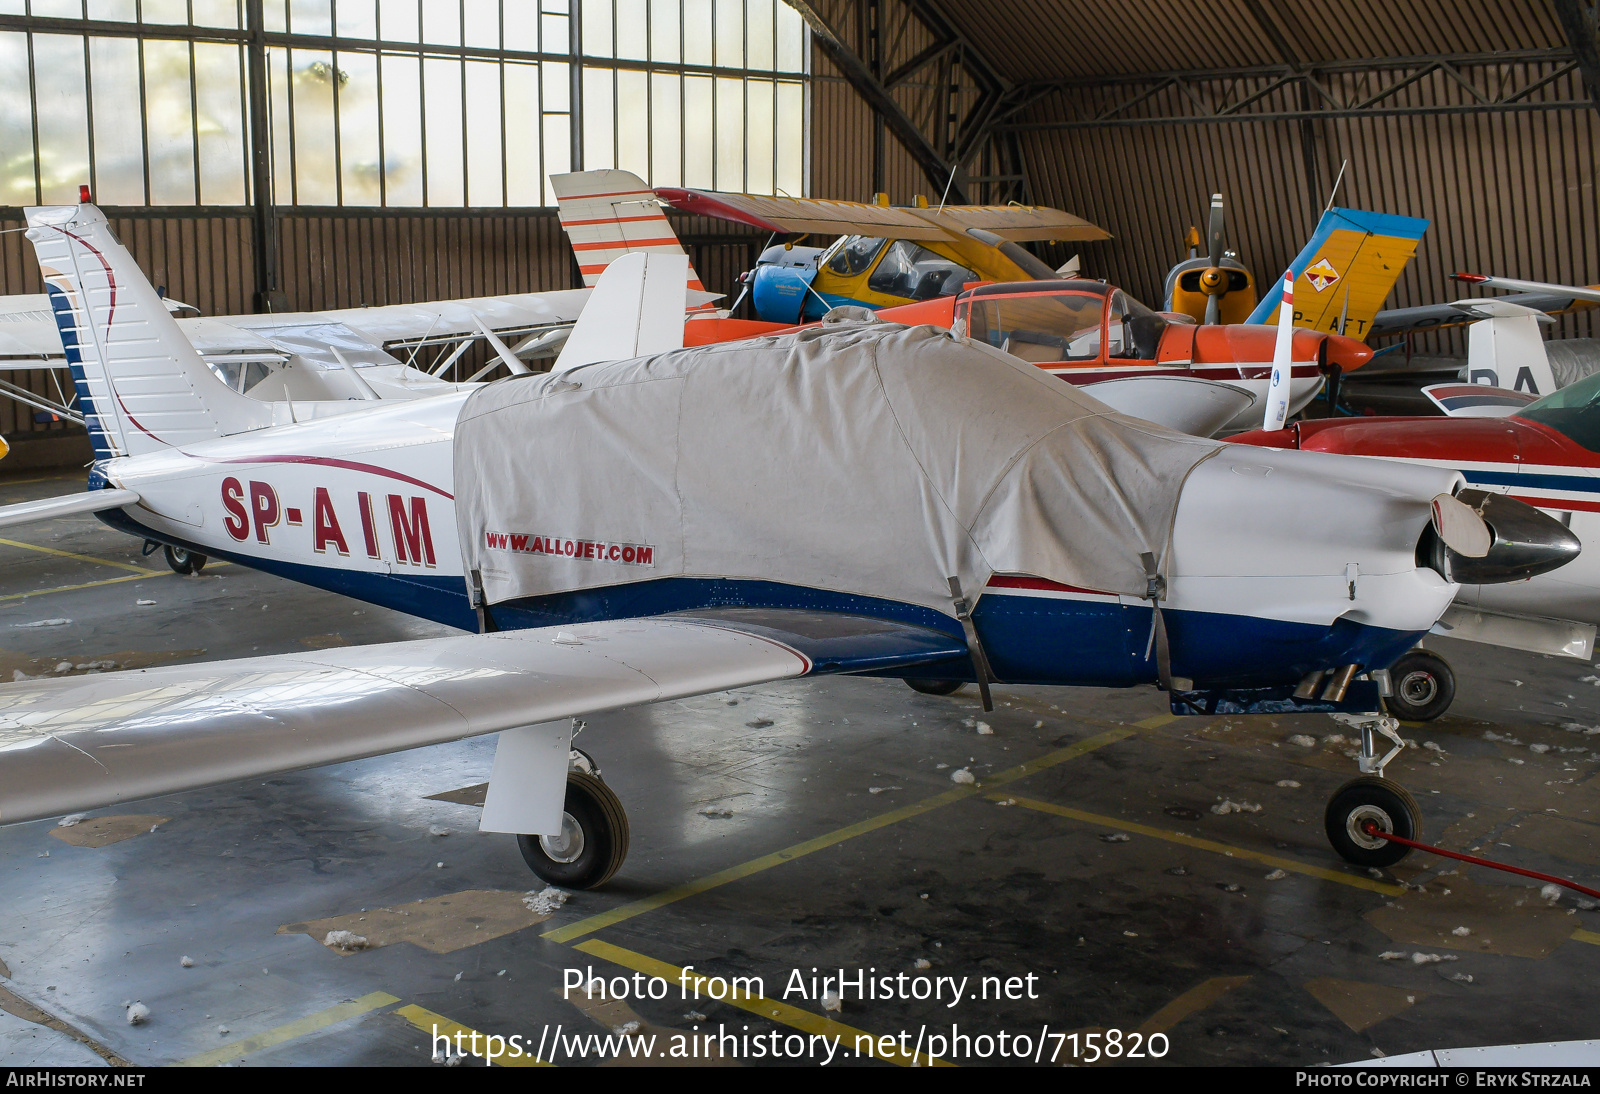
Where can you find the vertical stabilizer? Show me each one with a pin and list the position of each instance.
(636, 309)
(1507, 350)
(142, 386)
(607, 214)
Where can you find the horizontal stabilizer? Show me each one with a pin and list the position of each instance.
(69, 505)
(1477, 400)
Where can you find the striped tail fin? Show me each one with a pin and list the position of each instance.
(141, 385)
(607, 214)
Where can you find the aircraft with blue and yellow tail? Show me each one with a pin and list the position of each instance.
(1342, 276)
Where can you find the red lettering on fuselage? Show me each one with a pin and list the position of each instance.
(237, 522)
(325, 524)
(413, 541)
(264, 506)
(369, 527)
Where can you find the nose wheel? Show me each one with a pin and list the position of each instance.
(184, 561)
(592, 842)
(1368, 803)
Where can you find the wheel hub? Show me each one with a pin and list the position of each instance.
(567, 844)
(1361, 816)
(1419, 688)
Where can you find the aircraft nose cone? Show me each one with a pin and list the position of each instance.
(1524, 543)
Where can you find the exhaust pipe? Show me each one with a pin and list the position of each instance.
(1339, 683)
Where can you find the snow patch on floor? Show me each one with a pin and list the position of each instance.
(962, 776)
(546, 901)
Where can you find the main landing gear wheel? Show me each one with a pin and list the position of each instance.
(1372, 800)
(934, 687)
(1424, 686)
(184, 561)
(592, 842)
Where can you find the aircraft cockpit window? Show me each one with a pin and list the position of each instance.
(240, 375)
(1573, 411)
(1040, 327)
(1134, 331)
(854, 255)
(917, 273)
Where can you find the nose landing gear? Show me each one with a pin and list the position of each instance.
(1372, 800)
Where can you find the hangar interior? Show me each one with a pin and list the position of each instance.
(1163, 876)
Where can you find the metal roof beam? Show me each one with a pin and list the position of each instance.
(1578, 23)
(859, 75)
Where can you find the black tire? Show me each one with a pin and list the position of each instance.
(935, 687)
(1371, 798)
(184, 561)
(1424, 686)
(595, 822)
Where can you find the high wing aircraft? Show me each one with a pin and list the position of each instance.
(626, 532)
(881, 255)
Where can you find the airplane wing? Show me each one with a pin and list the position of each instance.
(91, 741)
(1552, 300)
(1018, 223)
(812, 215)
(67, 505)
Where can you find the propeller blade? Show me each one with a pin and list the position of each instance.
(1277, 413)
(1461, 527)
(1214, 230)
(1213, 310)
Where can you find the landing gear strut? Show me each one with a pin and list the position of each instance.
(593, 840)
(1372, 800)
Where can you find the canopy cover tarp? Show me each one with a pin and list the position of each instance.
(863, 458)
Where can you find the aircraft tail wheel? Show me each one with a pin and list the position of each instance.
(1424, 686)
(1375, 800)
(592, 842)
(184, 561)
(934, 687)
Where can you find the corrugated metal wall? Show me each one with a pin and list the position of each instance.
(1508, 193)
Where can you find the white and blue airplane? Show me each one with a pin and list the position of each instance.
(855, 498)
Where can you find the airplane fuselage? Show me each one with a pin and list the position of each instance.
(364, 504)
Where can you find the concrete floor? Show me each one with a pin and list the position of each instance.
(1183, 928)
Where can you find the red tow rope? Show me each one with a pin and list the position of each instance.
(1371, 828)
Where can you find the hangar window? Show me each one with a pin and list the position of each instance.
(396, 102)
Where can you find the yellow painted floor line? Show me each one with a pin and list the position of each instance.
(431, 1024)
(291, 1031)
(1293, 866)
(1190, 1003)
(839, 835)
(1586, 936)
(78, 557)
(803, 1020)
(95, 584)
